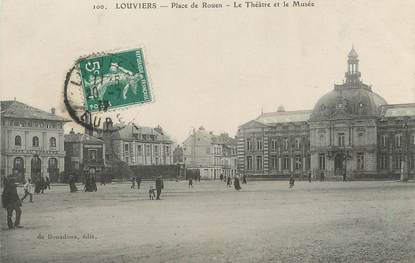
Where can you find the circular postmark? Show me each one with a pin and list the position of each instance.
(101, 91)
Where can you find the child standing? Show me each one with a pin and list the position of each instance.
(28, 190)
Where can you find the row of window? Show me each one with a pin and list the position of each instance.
(35, 141)
(148, 148)
(146, 137)
(157, 160)
(274, 144)
(397, 161)
(36, 163)
(286, 163)
(35, 124)
(397, 140)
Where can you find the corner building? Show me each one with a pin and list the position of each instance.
(351, 130)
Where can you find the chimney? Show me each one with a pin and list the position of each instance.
(53, 110)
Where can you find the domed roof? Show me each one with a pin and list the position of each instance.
(347, 101)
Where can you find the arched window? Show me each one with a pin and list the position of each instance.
(18, 163)
(35, 141)
(53, 163)
(18, 140)
(52, 142)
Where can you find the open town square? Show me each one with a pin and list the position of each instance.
(266, 221)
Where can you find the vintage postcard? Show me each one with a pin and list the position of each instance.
(207, 131)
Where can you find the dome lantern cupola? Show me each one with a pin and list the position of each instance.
(353, 74)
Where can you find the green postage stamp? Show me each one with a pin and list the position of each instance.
(114, 80)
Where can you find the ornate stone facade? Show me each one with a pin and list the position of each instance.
(351, 130)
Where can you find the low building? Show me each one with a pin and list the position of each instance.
(210, 155)
(32, 141)
(84, 155)
(138, 145)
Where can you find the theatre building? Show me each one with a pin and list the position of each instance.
(32, 141)
(351, 130)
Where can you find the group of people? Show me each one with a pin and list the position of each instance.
(41, 184)
(90, 183)
(134, 180)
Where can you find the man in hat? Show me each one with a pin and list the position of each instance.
(159, 186)
(11, 202)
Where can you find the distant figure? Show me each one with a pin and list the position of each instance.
(236, 184)
(132, 183)
(190, 182)
(88, 184)
(221, 177)
(11, 202)
(94, 183)
(198, 177)
(28, 190)
(244, 179)
(42, 184)
(103, 182)
(344, 177)
(309, 177)
(322, 177)
(159, 186)
(138, 178)
(72, 186)
(151, 193)
(229, 182)
(47, 182)
(292, 181)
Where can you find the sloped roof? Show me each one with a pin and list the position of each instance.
(353, 53)
(398, 110)
(82, 137)
(127, 132)
(284, 117)
(223, 139)
(16, 109)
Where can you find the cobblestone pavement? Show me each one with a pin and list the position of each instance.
(264, 222)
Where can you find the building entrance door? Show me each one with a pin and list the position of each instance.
(339, 167)
(18, 168)
(36, 168)
(53, 169)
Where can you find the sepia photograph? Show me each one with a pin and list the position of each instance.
(207, 131)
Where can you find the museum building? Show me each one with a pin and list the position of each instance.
(32, 141)
(351, 131)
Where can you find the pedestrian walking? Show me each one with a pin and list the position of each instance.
(72, 186)
(159, 186)
(11, 202)
(322, 177)
(47, 182)
(138, 182)
(309, 177)
(221, 177)
(229, 182)
(103, 182)
(42, 184)
(28, 190)
(292, 181)
(132, 183)
(236, 184)
(94, 183)
(190, 182)
(244, 179)
(344, 177)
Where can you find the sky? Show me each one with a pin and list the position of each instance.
(213, 67)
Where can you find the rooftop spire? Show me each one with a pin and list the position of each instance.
(353, 53)
(353, 74)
